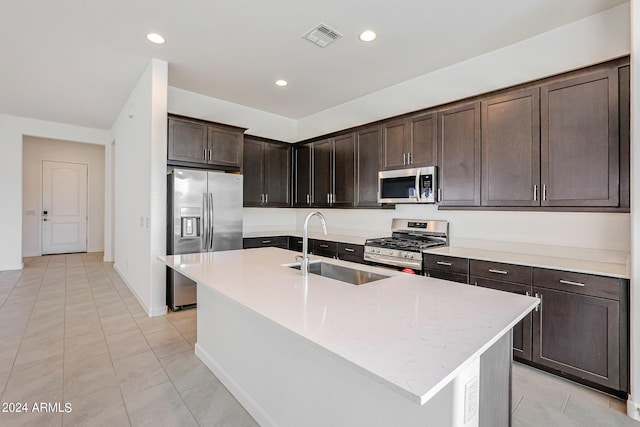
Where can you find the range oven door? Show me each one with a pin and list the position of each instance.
(416, 185)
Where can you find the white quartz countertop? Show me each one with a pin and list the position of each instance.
(411, 333)
(590, 261)
(612, 267)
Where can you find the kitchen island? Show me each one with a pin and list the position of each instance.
(405, 350)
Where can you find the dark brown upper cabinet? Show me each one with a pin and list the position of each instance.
(325, 172)
(459, 155)
(333, 165)
(266, 169)
(322, 165)
(344, 170)
(410, 142)
(580, 141)
(302, 177)
(511, 149)
(368, 152)
(198, 143)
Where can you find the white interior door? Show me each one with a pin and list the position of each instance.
(64, 207)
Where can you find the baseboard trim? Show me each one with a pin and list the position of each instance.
(7, 267)
(633, 410)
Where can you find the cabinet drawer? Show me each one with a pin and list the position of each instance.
(263, 242)
(353, 253)
(579, 283)
(324, 248)
(500, 271)
(295, 243)
(446, 275)
(446, 263)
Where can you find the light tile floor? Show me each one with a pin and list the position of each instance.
(72, 333)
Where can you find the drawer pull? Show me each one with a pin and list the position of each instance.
(349, 249)
(324, 246)
(491, 270)
(569, 282)
(264, 242)
(448, 264)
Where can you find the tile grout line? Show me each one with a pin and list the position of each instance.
(13, 364)
(93, 297)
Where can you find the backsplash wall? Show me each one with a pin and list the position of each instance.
(604, 231)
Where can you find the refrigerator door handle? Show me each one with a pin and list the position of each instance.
(205, 222)
(211, 221)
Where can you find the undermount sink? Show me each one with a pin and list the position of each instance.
(342, 273)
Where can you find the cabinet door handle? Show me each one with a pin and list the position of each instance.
(409, 158)
(262, 198)
(544, 193)
(264, 242)
(349, 250)
(308, 199)
(324, 246)
(448, 264)
(204, 154)
(439, 195)
(569, 282)
(491, 270)
(404, 159)
(539, 305)
(209, 155)
(266, 198)
(535, 192)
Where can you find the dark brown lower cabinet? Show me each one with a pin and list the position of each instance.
(446, 267)
(522, 331)
(580, 328)
(578, 335)
(349, 252)
(324, 248)
(265, 242)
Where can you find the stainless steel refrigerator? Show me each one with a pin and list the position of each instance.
(204, 214)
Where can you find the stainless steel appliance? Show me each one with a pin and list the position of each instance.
(204, 214)
(415, 185)
(408, 239)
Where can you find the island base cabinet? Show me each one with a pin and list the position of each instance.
(578, 335)
(282, 379)
(522, 330)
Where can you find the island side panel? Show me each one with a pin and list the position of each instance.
(284, 380)
(495, 383)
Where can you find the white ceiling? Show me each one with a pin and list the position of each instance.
(76, 61)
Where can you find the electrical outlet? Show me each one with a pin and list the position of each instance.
(471, 399)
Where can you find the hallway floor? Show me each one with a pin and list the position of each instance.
(75, 344)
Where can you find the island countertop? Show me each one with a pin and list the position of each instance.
(413, 334)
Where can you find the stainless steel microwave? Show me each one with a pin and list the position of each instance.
(415, 185)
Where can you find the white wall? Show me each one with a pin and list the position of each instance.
(35, 150)
(140, 134)
(593, 39)
(257, 122)
(12, 131)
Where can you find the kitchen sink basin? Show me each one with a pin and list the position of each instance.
(342, 273)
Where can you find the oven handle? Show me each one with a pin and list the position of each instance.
(395, 263)
(418, 185)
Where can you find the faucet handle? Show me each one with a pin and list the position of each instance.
(298, 258)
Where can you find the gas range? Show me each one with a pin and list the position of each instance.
(409, 238)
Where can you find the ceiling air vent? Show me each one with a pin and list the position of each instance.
(322, 35)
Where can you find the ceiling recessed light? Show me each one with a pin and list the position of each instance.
(156, 38)
(281, 83)
(368, 36)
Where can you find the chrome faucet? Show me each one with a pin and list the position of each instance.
(304, 263)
